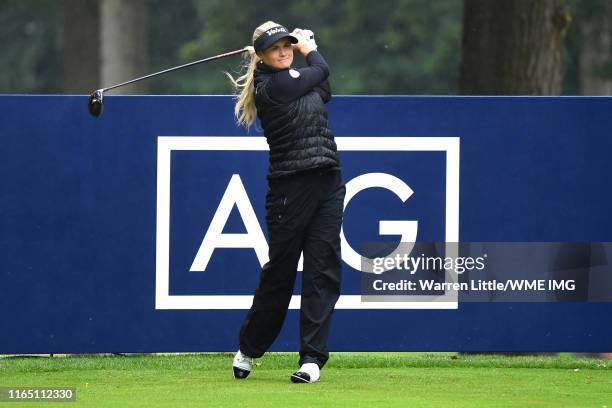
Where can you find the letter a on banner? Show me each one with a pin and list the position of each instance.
(215, 238)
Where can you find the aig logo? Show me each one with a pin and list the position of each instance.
(215, 237)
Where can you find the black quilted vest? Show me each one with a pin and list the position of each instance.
(297, 132)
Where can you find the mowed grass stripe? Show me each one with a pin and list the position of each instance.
(349, 380)
(285, 360)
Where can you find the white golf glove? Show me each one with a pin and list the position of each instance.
(305, 36)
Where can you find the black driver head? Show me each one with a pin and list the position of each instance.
(95, 103)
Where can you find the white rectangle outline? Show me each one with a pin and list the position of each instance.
(165, 146)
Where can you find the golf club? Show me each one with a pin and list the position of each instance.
(95, 103)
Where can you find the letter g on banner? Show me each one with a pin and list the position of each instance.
(406, 229)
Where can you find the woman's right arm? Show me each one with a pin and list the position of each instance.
(290, 84)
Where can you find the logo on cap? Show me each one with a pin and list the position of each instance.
(275, 30)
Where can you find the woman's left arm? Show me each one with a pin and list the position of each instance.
(324, 90)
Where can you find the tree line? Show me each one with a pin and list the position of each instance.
(532, 47)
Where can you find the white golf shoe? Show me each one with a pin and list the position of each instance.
(308, 373)
(242, 365)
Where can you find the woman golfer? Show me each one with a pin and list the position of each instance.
(305, 196)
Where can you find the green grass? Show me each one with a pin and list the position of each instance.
(349, 380)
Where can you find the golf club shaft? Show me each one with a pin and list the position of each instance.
(227, 54)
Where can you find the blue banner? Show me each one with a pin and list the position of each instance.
(144, 230)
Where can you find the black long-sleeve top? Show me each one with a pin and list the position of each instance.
(286, 85)
(290, 106)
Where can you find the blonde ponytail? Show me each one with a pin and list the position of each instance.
(245, 110)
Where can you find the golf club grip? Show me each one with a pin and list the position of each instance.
(227, 54)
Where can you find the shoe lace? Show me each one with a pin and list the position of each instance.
(245, 359)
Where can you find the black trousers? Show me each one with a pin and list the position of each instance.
(303, 213)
